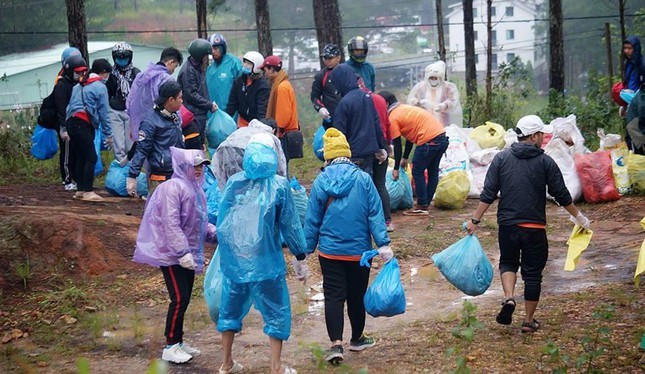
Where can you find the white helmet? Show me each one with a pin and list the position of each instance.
(256, 59)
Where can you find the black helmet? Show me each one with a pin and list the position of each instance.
(357, 42)
(122, 50)
(330, 50)
(199, 48)
(74, 63)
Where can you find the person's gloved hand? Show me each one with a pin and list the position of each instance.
(187, 261)
(64, 135)
(301, 268)
(215, 107)
(324, 113)
(395, 175)
(581, 221)
(381, 156)
(131, 186)
(109, 142)
(622, 111)
(425, 103)
(385, 252)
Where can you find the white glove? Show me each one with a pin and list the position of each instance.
(324, 113)
(187, 261)
(131, 186)
(385, 252)
(301, 268)
(437, 108)
(215, 107)
(581, 221)
(381, 156)
(109, 142)
(64, 135)
(622, 111)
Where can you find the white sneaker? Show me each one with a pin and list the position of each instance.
(175, 354)
(237, 368)
(71, 187)
(190, 350)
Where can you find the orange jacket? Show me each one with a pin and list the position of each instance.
(286, 112)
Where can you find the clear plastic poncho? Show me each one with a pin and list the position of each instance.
(256, 207)
(442, 99)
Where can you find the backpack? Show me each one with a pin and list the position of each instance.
(48, 117)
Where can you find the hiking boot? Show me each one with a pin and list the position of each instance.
(190, 350)
(175, 354)
(71, 186)
(236, 368)
(389, 225)
(335, 355)
(363, 343)
(92, 197)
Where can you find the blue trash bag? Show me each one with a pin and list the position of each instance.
(385, 296)
(627, 95)
(465, 266)
(300, 199)
(218, 128)
(213, 286)
(44, 143)
(318, 143)
(98, 167)
(213, 194)
(400, 190)
(115, 180)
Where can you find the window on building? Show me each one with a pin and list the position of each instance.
(494, 38)
(509, 11)
(510, 34)
(493, 11)
(494, 62)
(476, 59)
(510, 57)
(474, 13)
(476, 35)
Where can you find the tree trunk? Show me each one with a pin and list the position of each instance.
(202, 28)
(292, 54)
(623, 36)
(442, 44)
(263, 21)
(610, 62)
(469, 38)
(556, 47)
(136, 5)
(117, 4)
(489, 56)
(76, 26)
(328, 22)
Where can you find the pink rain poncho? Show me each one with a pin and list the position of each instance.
(175, 221)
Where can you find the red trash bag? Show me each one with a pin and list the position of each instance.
(615, 93)
(596, 177)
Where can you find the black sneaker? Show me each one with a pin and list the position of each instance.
(335, 355)
(363, 343)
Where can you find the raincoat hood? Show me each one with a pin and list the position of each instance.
(525, 150)
(636, 44)
(437, 69)
(152, 72)
(183, 164)
(344, 79)
(337, 179)
(260, 161)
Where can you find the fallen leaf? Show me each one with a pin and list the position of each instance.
(42, 364)
(6, 338)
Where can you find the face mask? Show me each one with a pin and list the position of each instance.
(122, 62)
(433, 82)
(104, 80)
(77, 76)
(246, 70)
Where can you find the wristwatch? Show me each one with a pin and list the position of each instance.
(475, 221)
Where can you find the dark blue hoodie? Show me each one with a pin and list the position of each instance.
(634, 66)
(355, 115)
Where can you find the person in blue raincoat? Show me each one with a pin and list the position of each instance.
(222, 71)
(171, 236)
(343, 216)
(255, 209)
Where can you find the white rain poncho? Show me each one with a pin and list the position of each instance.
(441, 100)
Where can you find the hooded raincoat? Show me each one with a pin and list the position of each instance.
(144, 90)
(634, 66)
(344, 213)
(220, 76)
(441, 100)
(255, 209)
(175, 221)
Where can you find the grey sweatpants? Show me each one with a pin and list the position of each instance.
(120, 122)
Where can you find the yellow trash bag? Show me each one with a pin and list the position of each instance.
(490, 135)
(619, 157)
(452, 190)
(578, 242)
(636, 171)
(640, 265)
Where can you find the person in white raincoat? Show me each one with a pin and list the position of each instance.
(438, 96)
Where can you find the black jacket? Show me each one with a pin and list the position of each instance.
(250, 102)
(323, 92)
(193, 85)
(62, 95)
(521, 175)
(117, 98)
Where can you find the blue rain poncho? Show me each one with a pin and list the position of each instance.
(175, 220)
(255, 208)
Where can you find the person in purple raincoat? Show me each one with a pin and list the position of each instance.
(171, 236)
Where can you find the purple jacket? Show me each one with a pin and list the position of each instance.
(144, 90)
(175, 221)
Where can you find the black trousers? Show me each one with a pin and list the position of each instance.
(66, 161)
(179, 282)
(379, 172)
(344, 281)
(526, 248)
(81, 136)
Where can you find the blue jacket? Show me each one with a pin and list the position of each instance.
(366, 71)
(256, 207)
(95, 96)
(634, 66)
(220, 77)
(355, 115)
(157, 134)
(346, 224)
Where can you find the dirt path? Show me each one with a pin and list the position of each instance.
(103, 236)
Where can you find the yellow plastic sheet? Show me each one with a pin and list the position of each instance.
(578, 242)
(640, 265)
